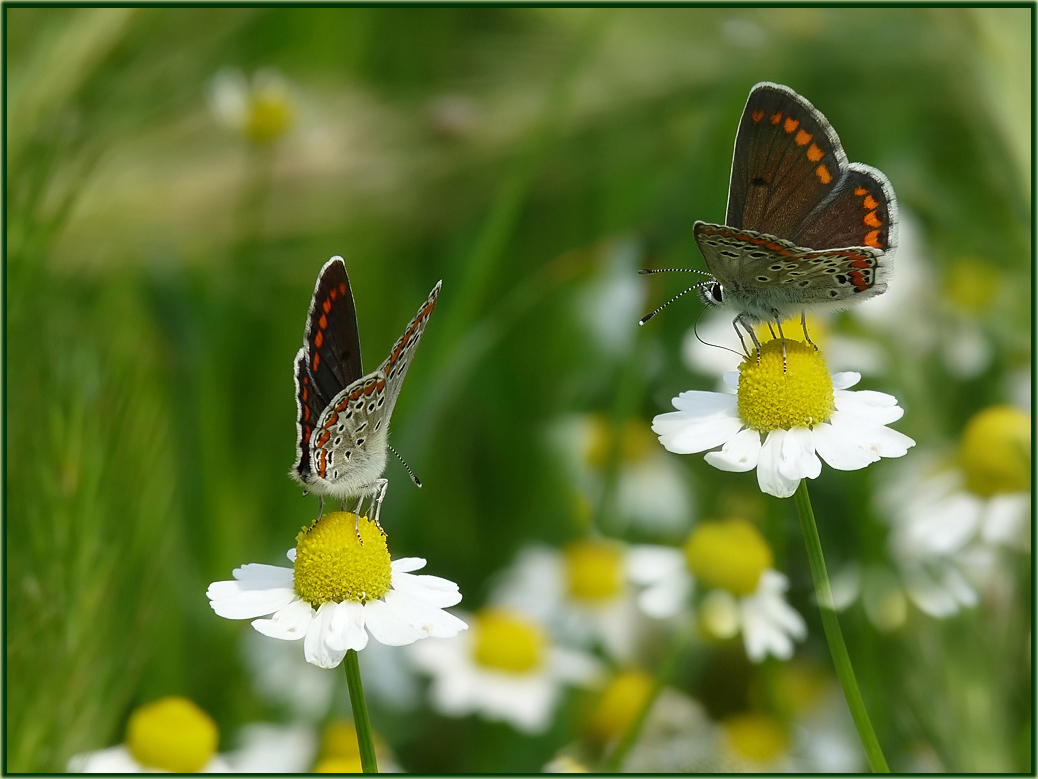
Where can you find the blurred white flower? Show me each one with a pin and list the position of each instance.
(652, 489)
(748, 596)
(505, 668)
(171, 734)
(274, 749)
(677, 737)
(611, 301)
(581, 594)
(261, 110)
(355, 586)
(801, 411)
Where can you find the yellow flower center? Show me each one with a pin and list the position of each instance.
(798, 687)
(507, 642)
(718, 615)
(773, 398)
(594, 570)
(995, 452)
(270, 115)
(333, 566)
(172, 734)
(621, 702)
(756, 737)
(339, 765)
(971, 284)
(728, 553)
(636, 440)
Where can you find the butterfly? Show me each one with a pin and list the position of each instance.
(805, 229)
(342, 420)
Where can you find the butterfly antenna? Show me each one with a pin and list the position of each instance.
(650, 271)
(415, 479)
(650, 315)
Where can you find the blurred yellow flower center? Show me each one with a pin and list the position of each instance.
(172, 734)
(636, 440)
(507, 642)
(729, 553)
(773, 398)
(971, 284)
(718, 615)
(339, 765)
(333, 566)
(621, 702)
(340, 740)
(756, 737)
(995, 452)
(594, 570)
(798, 687)
(270, 115)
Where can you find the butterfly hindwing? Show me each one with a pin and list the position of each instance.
(861, 212)
(309, 405)
(787, 160)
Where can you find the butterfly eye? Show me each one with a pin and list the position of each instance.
(717, 293)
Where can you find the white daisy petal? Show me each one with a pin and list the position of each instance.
(769, 478)
(289, 623)
(666, 598)
(797, 458)
(842, 381)
(876, 408)
(647, 564)
(701, 403)
(253, 597)
(315, 647)
(683, 433)
(739, 453)
(429, 590)
(837, 451)
(345, 627)
(407, 564)
(398, 620)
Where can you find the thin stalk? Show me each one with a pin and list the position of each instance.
(837, 647)
(360, 714)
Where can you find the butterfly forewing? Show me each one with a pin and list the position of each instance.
(395, 366)
(332, 341)
(787, 160)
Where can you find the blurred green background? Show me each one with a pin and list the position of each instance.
(160, 265)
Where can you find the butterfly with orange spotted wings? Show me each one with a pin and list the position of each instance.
(805, 229)
(342, 421)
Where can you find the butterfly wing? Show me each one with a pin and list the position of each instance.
(787, 161)
(399, 360)
(862, 211)
(329, 360)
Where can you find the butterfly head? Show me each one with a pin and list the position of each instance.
(711, 293)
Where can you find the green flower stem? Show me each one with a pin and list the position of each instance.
(360, 714)
(837, 647)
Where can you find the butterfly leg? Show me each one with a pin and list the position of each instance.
(320, 507)
(380, 490)
(803, 322)
(738, 332)
(783, 337)
(753, 336)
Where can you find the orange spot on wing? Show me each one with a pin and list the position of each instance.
(858, 280)
(331, 420)
(802, 138)
(317, 360)
(774, 246)
(814, 154)
(322, 467)
(326, 305)
(790, 124)
(323, 438)
(859, 191)
(861, 264)
(757, 115)
(342, 287)
(322, 322)
(319, 339)
(869, 203)
(872, 239)
(334, 293)
(823, 174)
(871, 220)
(776, 117)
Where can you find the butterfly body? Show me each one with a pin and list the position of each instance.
(342, 424)
(805, 230)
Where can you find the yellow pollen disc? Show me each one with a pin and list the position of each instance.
(504, 641)
(773, 399)
(340, 740)
(333, 566)
(730, 554)
(172, 734)
(270, 116)
(594, 570)
(756, 737)
(621, 702)
(995, 452)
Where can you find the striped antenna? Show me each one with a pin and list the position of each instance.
(649, 316)
(407, 468)
(650, 271)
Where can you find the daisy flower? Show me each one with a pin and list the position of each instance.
(171, 734)
(581, 593)
(338, 592)
(505, 668)
(747, 596)
(261, 110)
(788, 414)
